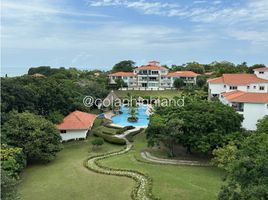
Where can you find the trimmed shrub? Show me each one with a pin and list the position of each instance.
(113, 140)
(122, 130)
(108, 138)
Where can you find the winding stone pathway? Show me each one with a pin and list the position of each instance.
(142, 190)
(146, 155)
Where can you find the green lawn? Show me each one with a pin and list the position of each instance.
(172, 182)
(67, 179)
(137, 93)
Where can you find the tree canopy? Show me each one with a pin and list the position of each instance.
(247, 172)
(124, 66)
(38, 137)
(206, 126)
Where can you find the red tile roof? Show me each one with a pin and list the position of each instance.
(261, 69)
(77, 120)
(237, 79)
(151, 67)
(122, 74)
(246, 97)
(183, 74)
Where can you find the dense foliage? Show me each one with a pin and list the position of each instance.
(218, 68)
(8, 187)
(38, 137)
(53, 97)
(124, 66)
(12, 160)
(178, 83)
(206, 126)
(262, 125)
(246, 163)
(247, 176)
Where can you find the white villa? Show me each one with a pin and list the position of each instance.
(247, 93)
(153, 76)
(76, 125)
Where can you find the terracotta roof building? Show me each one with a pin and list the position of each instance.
(152, 76)
(76, 125)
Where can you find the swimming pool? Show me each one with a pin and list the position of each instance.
(121, 119)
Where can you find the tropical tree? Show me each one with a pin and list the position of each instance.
(256, 66)
(178, 83)
(195, 67)
(262, 125)
(38, 137)
(124, 66)
(201, 81)
(247, 173)
(209, 124)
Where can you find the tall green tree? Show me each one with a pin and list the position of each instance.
(262, 125)
(169, 135)
(178, 83)
(195, 67)
(247, 174)
(38, 137)
(124, 66)
(208, 125)
(256, 66)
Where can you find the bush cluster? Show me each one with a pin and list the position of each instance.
(122, 130)
(108, 138)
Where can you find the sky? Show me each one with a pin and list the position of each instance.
(96, 34)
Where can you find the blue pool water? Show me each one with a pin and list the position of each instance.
(122, 118)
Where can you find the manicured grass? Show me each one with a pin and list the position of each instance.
(172, 182)
(154, 94)
(67, 179)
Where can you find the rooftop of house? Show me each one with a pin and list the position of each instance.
(183, 74)
(261, 69)
(77, 120)
(237, 79)
(122, 74)
(246, 97)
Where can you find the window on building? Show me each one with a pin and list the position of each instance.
(261, 87)
(154, 72)
(238, 107)
(261, 72)
(254, 86)
(62, 131)
(233, 87)
(224, 86)
(124, 78)
(248, 87)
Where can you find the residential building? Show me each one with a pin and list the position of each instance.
(246, 93)
(76, 125)
(232, 82)
(253, 106)
(153, 76)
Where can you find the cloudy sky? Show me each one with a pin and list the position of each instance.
(95, 34)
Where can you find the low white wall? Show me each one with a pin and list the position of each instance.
(73, 134)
